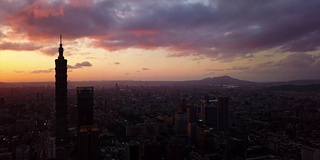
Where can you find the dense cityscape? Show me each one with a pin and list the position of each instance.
(173, 122)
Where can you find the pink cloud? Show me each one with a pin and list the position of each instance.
(39, 9)
(18, 46)
(43, 71)
(80, 65)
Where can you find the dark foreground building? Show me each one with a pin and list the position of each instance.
(88, 143)
(85, 106)
(88, 133)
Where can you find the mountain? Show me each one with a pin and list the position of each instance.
(222, 80)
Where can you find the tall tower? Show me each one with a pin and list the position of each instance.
(61, 96)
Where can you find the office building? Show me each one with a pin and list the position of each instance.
(223, 114)
(180, 123)
(152, 150)
(310, 153)
(88, 133)
(23, 152)
(133, 151)
(192, 129)
(88, 142)
(174, 150)
(192, 113)
(206, 143)
(211, 117)
(183, 105)
(85, 106)
(51, 148)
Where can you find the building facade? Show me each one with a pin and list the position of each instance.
(85, 106)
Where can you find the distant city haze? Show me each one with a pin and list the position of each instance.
(166, 40)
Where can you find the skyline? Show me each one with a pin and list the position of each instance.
(160, 40)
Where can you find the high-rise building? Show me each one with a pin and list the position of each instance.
(85, 106)
(2, 101)
(51, 148)
(180, 123)
(209, 113)
(223, 114)
(23, 152)
(192, 113)
(133, 150)
(192, 116)
(206, 143)
(88, 142)
(88, 134)
(211, 116)
(152, 150)
(61, 96)
(309, 153)
(183, 105)
(175, 150)
(192, 129)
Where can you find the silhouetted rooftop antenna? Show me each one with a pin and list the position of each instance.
(60, 48)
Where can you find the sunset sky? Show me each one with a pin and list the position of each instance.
(271, 40)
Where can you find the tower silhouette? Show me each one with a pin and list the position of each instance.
(61, 96)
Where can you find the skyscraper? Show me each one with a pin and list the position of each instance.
(183, 105)
(85, 106)
(61, 96)
(223, 114)
(88, 142)
(133, 150)
(180, 123)
(88, 133)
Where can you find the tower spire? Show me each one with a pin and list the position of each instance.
(60, 48)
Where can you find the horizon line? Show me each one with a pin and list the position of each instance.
(161, 80)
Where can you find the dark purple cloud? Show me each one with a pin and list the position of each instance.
(17, 71)
(80, 65)
(43, 71)
(309, 42)
(220, 29)
(294, 66)
(18, 46)
(50, 51)
(238, 68)
(116, 63)
(233, 68)
(40, 19)
(145, 69)
(213, 70)
(265, 64)
(297, 60)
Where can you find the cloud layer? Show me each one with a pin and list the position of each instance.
(221, 29)
(286, 33)
(80, 65)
